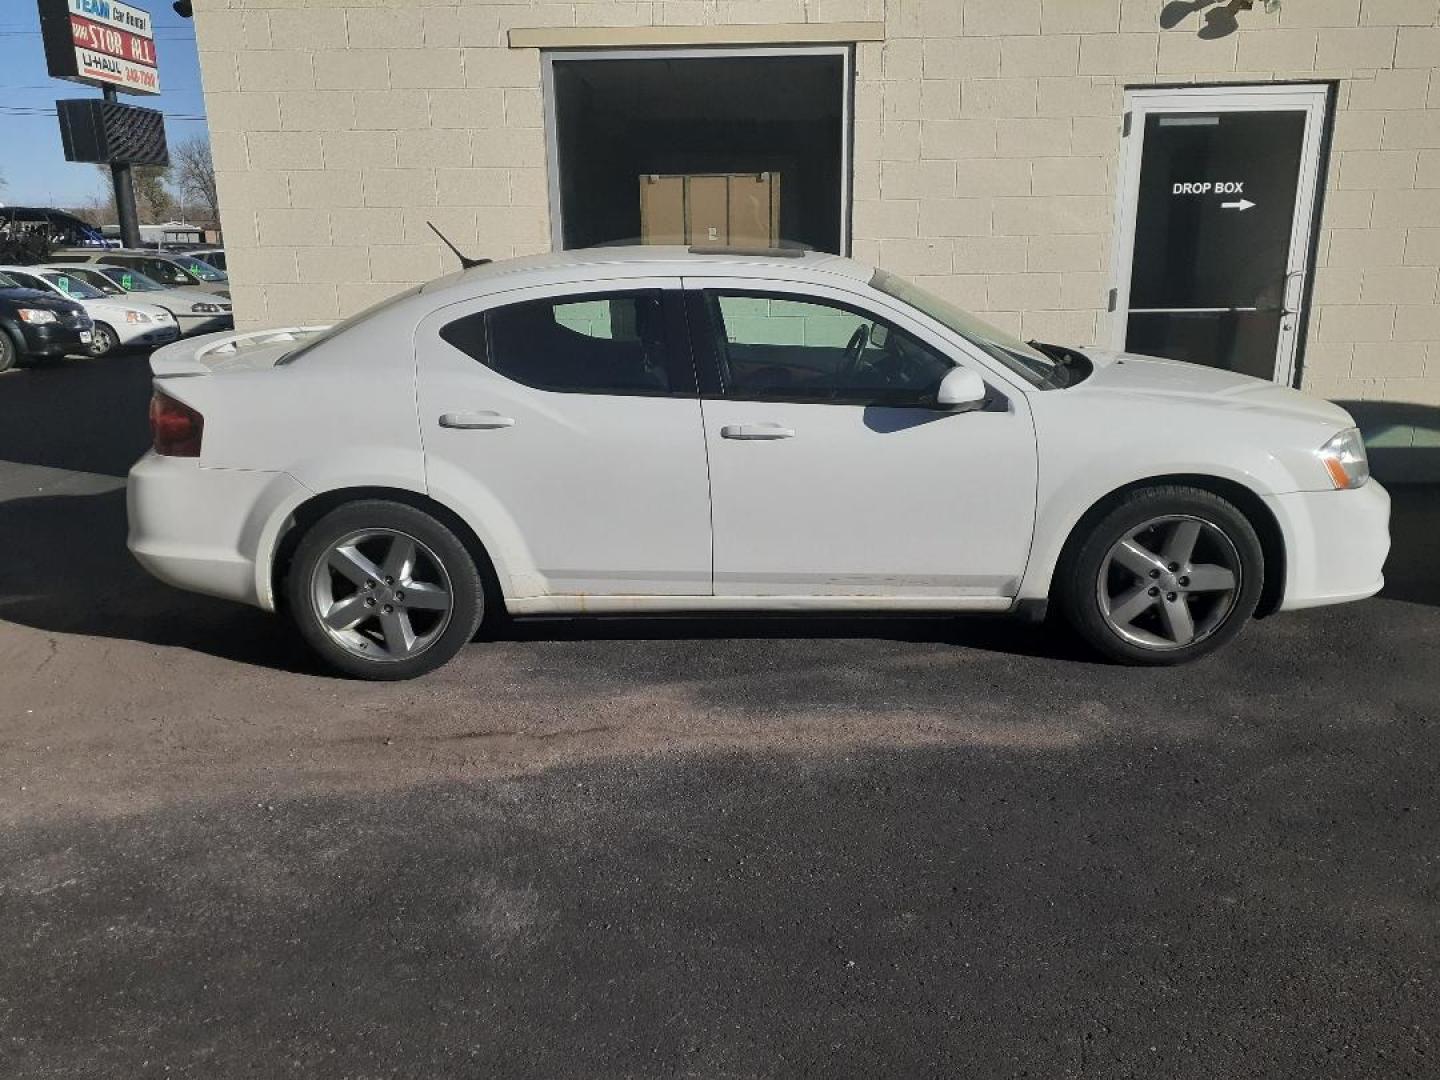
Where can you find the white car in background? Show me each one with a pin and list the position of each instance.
(656, 430)
(120, 322)
(195, 312)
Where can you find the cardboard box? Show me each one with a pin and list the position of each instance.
(727, 209)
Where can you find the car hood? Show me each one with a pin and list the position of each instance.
(180, 299)
(115, 307)
(35, 298)
(1156, 378)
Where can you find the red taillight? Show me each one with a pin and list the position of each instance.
(175, 427)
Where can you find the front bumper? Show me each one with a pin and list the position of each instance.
(203, 529)
(1336, 543)
(54, 339)
(195, 325)
(139, 335)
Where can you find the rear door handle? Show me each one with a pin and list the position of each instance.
(476, 421)
(756, 432)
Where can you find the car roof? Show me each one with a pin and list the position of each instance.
(661, 259)
(102, 253)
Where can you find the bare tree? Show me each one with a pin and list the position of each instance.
(192, 170)
(153, 201)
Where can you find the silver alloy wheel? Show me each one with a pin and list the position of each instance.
(102, 341)
(1170, 582)
(381, 594)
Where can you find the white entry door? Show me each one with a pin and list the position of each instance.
(832, 473)
(1216, 212)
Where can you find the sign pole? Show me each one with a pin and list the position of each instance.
(124, 194)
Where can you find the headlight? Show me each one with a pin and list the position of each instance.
(37, 316)
(1344, 459)
(205, 309)
(136, 317)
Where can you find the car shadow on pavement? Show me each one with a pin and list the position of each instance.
(67, 570)
(85, 415)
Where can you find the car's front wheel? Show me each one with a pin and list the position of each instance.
(103, 340)
(1166, 576)
(381, 590)
(9, 354)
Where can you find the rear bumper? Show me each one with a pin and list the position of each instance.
(1336, 543)
(201, 529)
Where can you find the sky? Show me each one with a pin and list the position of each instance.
(32, 161)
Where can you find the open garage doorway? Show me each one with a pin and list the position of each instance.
(703, 146)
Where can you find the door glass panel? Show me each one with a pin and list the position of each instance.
(611, 344)
(774, 348)
(1216, 205)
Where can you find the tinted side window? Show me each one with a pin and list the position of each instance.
(26, 281)
(608, 344)
(789, 349)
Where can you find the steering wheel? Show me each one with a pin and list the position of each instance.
(858, 343)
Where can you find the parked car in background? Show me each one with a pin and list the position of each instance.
(655, 430)
(119, 323)
(214, 256)
(195, 312)
(36, 325)
(171, 271)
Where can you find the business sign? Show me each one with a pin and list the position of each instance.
(101, 42)
(109, 133)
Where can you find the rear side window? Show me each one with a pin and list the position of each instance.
(613, 343)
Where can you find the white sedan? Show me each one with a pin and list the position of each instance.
(195, 312)
(656, 430)
(119, 323)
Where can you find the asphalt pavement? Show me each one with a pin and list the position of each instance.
(724, 848)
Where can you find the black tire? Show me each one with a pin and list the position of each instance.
(466, 590)
(9, 353)
(103, 340)
(1079, 585)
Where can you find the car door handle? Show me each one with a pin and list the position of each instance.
(476, 421)
(756, 432)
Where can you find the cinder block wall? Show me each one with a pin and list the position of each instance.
(986, 141)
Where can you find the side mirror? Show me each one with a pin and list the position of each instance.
(961, 391)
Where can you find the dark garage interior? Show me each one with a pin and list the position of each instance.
(619, 120)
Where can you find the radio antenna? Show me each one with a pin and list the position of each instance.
(465, 261)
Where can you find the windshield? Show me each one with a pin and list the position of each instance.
(203, 270)
(131, 280)
(73, 287)
(1024, 360)
(95, 280)
(8, 282)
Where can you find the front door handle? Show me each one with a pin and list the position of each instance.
(756, 432)
(476, 421)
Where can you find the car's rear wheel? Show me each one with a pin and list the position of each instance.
(381, 590)
(1166, 576)
(103, 340)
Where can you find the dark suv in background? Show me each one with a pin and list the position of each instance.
(39, 325)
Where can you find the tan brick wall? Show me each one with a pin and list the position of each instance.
(987, 137)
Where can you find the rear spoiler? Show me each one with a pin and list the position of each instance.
(212, 352)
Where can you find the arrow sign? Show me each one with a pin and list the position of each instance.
(1238, 204)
